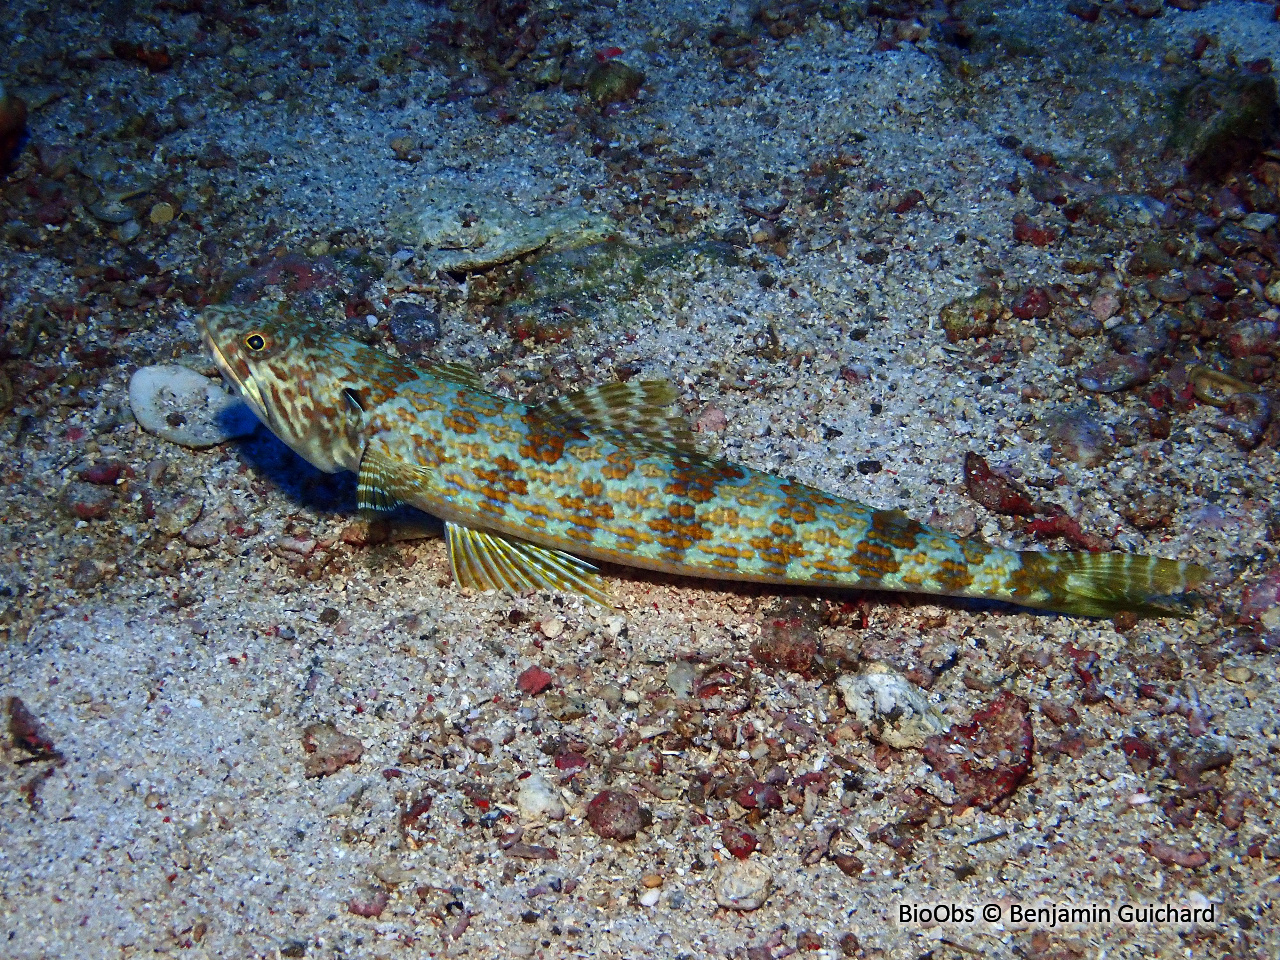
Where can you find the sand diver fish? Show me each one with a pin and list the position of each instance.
(613, 473)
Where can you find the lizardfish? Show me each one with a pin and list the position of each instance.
(613, 473)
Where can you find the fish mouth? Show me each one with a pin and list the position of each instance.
(243, 384)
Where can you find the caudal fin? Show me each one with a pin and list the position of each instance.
(1103, 584)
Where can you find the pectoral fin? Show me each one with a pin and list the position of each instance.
(385, 483)
(491, 561)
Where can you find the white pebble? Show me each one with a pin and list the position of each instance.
(538, 799)
(743, 884)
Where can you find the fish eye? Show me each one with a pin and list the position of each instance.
(255, 342)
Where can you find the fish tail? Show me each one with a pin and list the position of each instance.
(1103, 584)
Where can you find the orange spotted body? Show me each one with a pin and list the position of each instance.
(612, 474)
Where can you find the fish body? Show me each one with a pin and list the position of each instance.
(612, 473)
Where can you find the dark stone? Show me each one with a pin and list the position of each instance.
(1115, 373)
(1222, 124)
(1145, 340)
(414, 327)
(1151, 258)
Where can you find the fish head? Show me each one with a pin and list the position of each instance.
(301, 379)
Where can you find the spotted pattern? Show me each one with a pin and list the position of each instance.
(611, 473)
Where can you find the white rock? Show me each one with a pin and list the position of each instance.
(177, 404)
(895, 709)
(743, 884)
(538, 799)
(650, 898)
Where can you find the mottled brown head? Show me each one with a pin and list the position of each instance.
(297, 376)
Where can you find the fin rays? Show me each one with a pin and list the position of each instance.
(490, 561)
(457, 372)
(1102, 584)
(639, 415)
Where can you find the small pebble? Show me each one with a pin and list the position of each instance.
(650, 898)
(328, 750)
(896, 710)
(738, 840)
(391, 872)
(105, 473)
(1151, 258)
(475, 86)
(537, 799)
(615, 815)
(414, 327)
(1258, 221)
(176, 512)
(1248, 415)
(1082, 324)
(969, 318)
(161, 213)
(743, 884)
(1169, 291)
(371, 906)
(1105, 305)
(1144, 340)
(406, 149)
(1032, 305)
(1272, 290)
(86, 575)
(552, 628)
(111, 211)
(1115, 373)
(1237, 674)
(681, 675)
(128, 231)
(86, 501)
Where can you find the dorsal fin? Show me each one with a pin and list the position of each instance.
(641, 415)
(456, 372)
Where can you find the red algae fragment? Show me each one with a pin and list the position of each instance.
(534, 681)
(738, 840)
(994, 755)
(1024, 231)
(1060, 525)
(998, 494)
(1033, 304)
(789, 637)
(570, 763)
